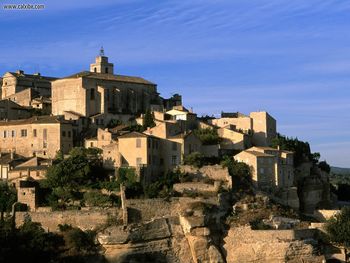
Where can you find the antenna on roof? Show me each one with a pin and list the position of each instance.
(102, 52)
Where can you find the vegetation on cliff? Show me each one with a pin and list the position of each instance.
(30, 243)
(301, 149)
(338, 228)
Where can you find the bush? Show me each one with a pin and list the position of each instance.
(338, 228)
(195, 159)
(96, 198)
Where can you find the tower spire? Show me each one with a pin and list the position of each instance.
(102, 52)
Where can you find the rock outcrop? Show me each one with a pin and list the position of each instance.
(245, 245)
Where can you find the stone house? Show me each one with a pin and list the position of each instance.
(43, 104)
(232, 139)
(261, 125)
(143, 152)
(185, 118)
(15, 82)
(263, 167)
(103, 138)
(33, 169)
(284, 170)
(7, 162)
(37, 136)
(269, 165)
(10, 110)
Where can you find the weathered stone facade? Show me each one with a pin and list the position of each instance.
(38, 136)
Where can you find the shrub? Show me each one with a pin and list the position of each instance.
(208, 136)
(96, 198)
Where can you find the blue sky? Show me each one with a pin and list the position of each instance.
(290, 58)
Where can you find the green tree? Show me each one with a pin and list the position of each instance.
(324, 166)
(149, 120)
(301, 149)
(8, 196)
(338, 229)
(240, 172)
(195, 159)
(83, 168)
(208, 136)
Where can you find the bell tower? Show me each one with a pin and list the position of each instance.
(101, 64)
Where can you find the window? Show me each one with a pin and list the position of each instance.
(161, 161)
(34, 133)
(44, 145)
(96, 121)
(92, 94)
(262, 170)
(23, 133)
(174, 146)
(106, 70)
(13, 133)
(174, 160)
(138, 143)
(91, 144)
(138, 161)
(95, 70)
(45, 134)
(63, 133)
(69, 134)
(102, 137)
(5, 134)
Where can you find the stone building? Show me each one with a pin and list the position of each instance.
(33, 169)
(232, 139)
(27, 194)
(10, 110)
(100, 91)
(15, 82)
(270, 167)
(262, 167)
(284, 170)
(7, 162)
(37, 136)
(261, 125)
(264, 128)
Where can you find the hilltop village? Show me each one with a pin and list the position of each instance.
(160, 184)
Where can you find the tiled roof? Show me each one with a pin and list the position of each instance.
(133, 134)
(23, 75)
(259, 154)
(112, 77)
(35, 119)
(6, 158)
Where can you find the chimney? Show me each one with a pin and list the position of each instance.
(20, 72)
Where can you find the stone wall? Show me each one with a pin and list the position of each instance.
(214, 172)
(245, 245)
(148, 209)
(77, 218)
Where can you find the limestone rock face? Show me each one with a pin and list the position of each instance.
(313, 188)
(276, 246)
